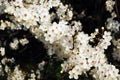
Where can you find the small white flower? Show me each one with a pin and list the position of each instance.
(41, 65)
(23, 41)
(73, 74)
(32, 76)
(14, 44)
(110, 5)
(2, 51)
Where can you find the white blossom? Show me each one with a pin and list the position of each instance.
(105, 72)
(2, 51)
(24, 41)
(14, 44)
(64, 38)
(109, 5)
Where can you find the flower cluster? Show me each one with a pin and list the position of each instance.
(116, 53)
(105, 72)
(114, 26)
(83, 57)
(16, 74)
(109, 5)
(51, 22)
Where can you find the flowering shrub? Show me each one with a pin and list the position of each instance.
(59, 40)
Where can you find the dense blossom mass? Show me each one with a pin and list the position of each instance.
(52, 23)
